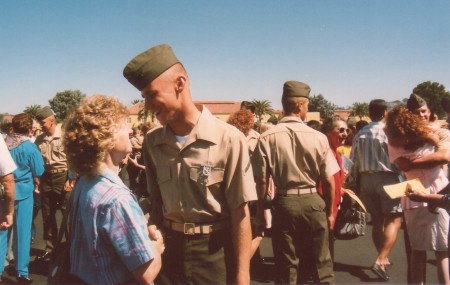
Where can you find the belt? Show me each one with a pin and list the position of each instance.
(297, 191)
(195, 229)
(54, 171)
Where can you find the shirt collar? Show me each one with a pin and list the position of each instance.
(288, 119)
(204, 130)
(113, 177)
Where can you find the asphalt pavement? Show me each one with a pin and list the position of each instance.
(353, 259)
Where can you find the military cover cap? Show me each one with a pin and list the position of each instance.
(44, 113)
(296, 89)
(415, 102)
(150, 64)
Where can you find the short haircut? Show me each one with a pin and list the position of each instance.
(22, 123)
(361, 124)
(290, 104)
(314, 124)
(89, 132)
(377, 109)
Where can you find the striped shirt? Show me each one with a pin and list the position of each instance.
(370, 150)
(109, 235)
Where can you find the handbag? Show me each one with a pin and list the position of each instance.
(59, 269)
(351, 218)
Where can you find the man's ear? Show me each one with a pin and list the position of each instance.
(298, 107)
(180, 84)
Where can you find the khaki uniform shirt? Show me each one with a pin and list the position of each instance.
(252, 140)
(52, 150)
(444, 136)
(294, 154)
(202, 180)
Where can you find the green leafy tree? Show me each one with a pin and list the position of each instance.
(32, 110)
(318, 103)
(432, 92)
(262, 107)
(64, 101)
(360, 109)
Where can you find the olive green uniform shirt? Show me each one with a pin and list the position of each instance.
(294, 154)
(202, 180)
(52, 150)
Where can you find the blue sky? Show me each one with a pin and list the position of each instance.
(348, 51)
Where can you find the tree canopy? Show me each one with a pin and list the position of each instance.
(64, 101)
(318, 103)
(432, 92)
(360, 109)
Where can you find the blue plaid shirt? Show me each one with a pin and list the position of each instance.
(109, 236)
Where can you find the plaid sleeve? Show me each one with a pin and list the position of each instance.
(126, 228)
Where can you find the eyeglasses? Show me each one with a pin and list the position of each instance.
(341, 130)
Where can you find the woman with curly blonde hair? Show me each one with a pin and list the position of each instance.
(110, 240)
(411, 138)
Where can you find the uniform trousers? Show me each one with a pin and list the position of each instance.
(23, 215)
(53, 198)
(196, 259)
(300, 231)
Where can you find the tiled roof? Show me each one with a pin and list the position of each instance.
(134, 109)
(220, 107)
(215, 107)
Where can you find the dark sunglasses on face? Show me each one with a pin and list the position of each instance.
(341, 130)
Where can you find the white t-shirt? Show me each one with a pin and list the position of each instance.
(7, 164)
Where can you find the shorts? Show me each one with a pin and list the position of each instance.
(376, 200)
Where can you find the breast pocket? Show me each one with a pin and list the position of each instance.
(209, 181)
(163, 175)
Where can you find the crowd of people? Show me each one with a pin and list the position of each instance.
(202, 193)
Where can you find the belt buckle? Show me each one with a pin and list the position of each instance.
(189, 228)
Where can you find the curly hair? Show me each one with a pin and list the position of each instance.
(329, 123)
(22, 123)
(403, 124)
(89, 132)
(243, 120)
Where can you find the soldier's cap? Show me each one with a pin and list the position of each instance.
(296, 89)
(150, 64)
(415, 102)
(44, 113)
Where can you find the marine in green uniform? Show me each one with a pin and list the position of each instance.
(198, 175)
(296, 156)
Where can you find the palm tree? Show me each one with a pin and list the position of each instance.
(360, 110)
(262, 107)
(32, 110)
(135, 101)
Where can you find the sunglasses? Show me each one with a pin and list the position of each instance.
(341, 130)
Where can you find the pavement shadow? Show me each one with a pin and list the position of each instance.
(356, 270)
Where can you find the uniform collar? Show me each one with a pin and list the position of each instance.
(289, 119)
(204, 130)
(56, 134)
